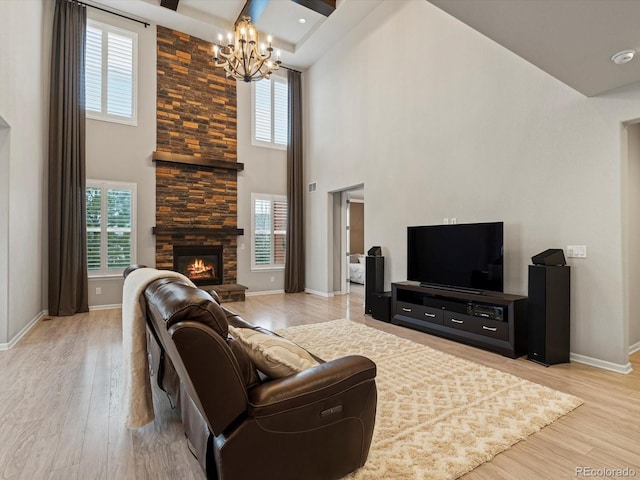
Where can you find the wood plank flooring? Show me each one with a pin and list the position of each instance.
(60, 389)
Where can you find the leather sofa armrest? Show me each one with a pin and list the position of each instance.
(312, 385)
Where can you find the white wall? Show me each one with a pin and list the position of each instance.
(123, 153)
(265, 171)
(25, 38)
(632, 263)
(458, 126)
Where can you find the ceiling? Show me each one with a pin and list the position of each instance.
(573, 40)
(300, 44)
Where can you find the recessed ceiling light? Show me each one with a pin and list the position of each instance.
(302, 20)
(624, 56)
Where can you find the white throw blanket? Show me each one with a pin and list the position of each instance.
(136, 405)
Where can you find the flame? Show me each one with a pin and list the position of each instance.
(199, 269)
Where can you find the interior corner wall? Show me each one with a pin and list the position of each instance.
(633, 231)
(265, 171)
(475, 132)
(122, 153)
(24, 47)
(4, 230)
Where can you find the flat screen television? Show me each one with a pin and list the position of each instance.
(461, 256)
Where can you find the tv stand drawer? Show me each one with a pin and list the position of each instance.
(419, 312)
(479, 325)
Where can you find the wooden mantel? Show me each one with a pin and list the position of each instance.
(212, 231)
(193, 160)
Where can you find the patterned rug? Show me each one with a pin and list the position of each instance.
(438, 416)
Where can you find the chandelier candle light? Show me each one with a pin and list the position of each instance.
(247, 59)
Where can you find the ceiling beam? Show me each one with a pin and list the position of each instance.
(171, 4)
(323, 7)
(253, 9)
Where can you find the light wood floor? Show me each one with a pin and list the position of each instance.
(59, 397)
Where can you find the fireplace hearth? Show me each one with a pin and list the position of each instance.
(201, 264)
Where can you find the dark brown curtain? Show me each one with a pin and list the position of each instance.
(294, 264)
(67, 234)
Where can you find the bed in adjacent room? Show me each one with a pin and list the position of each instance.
(356, 268)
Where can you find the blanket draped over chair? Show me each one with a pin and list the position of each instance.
(136, 405)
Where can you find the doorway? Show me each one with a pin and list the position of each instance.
(347, 277)
(631, 234)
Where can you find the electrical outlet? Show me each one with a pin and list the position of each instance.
(445, 221)
(453, 221)
(98, 291)
(242, 246)
(273, 279)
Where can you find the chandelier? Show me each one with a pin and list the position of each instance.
(246, 59)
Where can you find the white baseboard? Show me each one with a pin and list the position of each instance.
(23, 332)
(104, 307)
(319, 293)
(265, 292)
(595, 362)
(634, 348)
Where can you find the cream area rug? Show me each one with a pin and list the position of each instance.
(438, 416)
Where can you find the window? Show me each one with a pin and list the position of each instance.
(111, 235)
(270, 114)
(268, 241)
(111, 73)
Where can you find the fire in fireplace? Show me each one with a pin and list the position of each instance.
(202, 265)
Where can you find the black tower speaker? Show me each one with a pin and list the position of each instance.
(552, 256)
(548, 314)
(373, 280)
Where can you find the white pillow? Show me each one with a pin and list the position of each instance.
(275, 356)
(361, 258)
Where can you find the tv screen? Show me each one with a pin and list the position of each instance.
(464, 256)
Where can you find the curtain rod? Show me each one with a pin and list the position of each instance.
(146, 24)
(292, 69)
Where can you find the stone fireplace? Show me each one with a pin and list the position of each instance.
(196, 165)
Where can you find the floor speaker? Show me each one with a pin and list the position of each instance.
(373, 280)
(549, 314)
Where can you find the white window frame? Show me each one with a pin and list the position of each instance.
(275, 77)
(271, 198)
(104, 185)
(103, 115)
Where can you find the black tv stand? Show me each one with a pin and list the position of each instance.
(452, 289)
(491, 320)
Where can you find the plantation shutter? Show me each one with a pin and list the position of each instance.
(93, 69)
(279, 231)
(110, 76)
(269, 245)
(271, 112)
(118, 229)
(94, 222)
(262, 231)
(262, 110)
(280, 112)
(110, 226)
(119, 75)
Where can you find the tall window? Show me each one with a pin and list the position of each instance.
(111, 234)
(270, 122)
(269, 221)
(111, 73)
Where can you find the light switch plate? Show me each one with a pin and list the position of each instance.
(577, 251)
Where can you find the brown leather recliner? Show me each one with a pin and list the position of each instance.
(316, 424)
